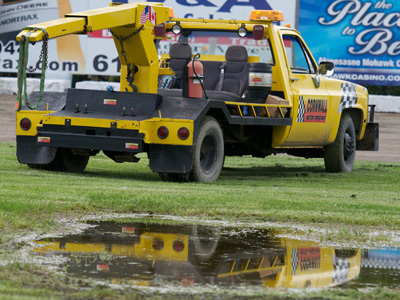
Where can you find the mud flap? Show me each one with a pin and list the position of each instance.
(370, 142)
(170, 159)
(29, 153)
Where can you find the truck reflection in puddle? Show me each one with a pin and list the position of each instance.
(153, 255)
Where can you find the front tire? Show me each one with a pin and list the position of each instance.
(340, 155)
(208, 156)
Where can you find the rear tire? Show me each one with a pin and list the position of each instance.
(340, 155)
(70, 162)
(208, 156)
(65, 161)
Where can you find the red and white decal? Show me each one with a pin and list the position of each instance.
(133, 146)
(312, 110)
(128, 229)
(103, 268)
(110, 102)
(43, 139)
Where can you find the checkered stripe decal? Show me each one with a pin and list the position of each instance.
(341, 268)
(380, 263)
(302, 110)
(295, 260)
(349, 96)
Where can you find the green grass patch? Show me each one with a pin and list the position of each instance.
(272, 189)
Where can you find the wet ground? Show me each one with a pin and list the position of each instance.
(161, 254)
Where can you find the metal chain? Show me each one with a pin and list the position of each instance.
(44, 47)
(128, 36)
(122, 39)
(131, 69)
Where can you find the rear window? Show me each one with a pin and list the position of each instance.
(216, 43)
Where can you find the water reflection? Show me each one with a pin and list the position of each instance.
(154, 254)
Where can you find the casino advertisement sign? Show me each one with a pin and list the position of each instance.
(361, 37)
(95, 53)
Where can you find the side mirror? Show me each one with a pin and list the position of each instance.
(326, 68)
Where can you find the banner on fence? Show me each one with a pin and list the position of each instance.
(95, 53)
(362, 38)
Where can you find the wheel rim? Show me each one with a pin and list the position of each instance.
(208, 154)
(348, 147)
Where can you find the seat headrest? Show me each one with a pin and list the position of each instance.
(180, 51)
(236, 53)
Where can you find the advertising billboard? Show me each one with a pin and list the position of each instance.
(67, 55)
(361, 37)
(95, 53)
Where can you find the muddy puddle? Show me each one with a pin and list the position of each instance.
(153, 254)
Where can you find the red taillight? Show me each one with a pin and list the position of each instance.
(158, 244)
(183, 133)
(178, 246)
(25, 124)
(162, 132)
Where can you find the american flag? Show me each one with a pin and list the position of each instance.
(148, 13)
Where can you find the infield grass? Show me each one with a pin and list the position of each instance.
(271, 189)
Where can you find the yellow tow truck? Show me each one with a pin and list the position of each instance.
(193, 91)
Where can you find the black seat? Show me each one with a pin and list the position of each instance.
(180, 54)
(234, 77)
(211, 71)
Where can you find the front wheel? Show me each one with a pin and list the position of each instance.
(208, 156)
(340, 155)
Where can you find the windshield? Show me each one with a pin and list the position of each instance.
(217, 42)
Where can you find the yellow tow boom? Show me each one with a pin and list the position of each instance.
(133, 37)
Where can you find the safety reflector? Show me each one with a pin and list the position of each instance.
(110, 102)
(178, 246)
(131, 146)
(43, 139)
(25, 124)
(162, 132)
(183, 133)
(158, 244)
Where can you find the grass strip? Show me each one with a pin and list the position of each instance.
(271, 189)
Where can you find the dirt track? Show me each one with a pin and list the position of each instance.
(389, 142)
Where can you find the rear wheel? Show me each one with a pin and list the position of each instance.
(66, 161)
(70, 162)
(208, 156)
(340, 155)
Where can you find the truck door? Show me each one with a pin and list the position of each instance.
(311, 102)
